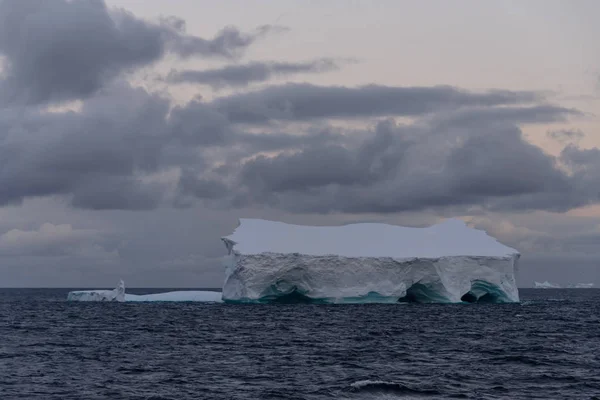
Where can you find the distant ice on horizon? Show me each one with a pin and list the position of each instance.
(546, 285)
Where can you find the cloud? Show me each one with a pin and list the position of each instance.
(300, 102)
(53, 241)
(202, 188)
(267, 142)
(543, 233)
(566, 135)
(98, 155)
(100, 158)
(245, 74)
(228, 43)
(484, 116)
(59, 50)
(197, 123)
(419, 167)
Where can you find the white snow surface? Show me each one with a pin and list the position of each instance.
(449, 238)
(118, 294)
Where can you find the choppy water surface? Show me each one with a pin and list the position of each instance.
(548, 347)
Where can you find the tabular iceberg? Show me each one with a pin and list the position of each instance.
(582, 286)
(546, 285)
(177, 296)
(366, 263)
(118, 294)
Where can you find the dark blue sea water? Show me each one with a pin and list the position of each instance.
(547, 347)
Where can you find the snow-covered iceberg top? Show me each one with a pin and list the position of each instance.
(118, 294)
(449, 238)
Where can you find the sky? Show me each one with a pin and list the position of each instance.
(135, 133)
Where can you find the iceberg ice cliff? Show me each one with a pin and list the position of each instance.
(360, 263)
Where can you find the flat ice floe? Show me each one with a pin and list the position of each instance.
(183, 295)
(119, 295)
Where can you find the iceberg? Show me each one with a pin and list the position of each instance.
(118, 294)
(178, 296)
(275, 262)
(546, 285)
(582, 286)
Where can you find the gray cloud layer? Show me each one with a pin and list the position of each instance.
(305, 102)
(243, 75)
(414, 168)
(57, 50)
(96, 155)
(104, 157)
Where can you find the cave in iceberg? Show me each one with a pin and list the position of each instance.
(275, 262)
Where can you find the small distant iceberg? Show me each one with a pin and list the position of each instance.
(546, 285)
(582, 286)
(118, 295)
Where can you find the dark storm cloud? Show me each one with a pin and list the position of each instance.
(197, 123)
(258, 142)
(243, 75)
(422, 167)
(105, 157)
(95, 155)
(297, 102)
(320, 165)
(583, 179)
(58, 50)
(117, 193)
(585, 169)
(202, 188)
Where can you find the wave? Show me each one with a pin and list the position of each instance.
(375, 386)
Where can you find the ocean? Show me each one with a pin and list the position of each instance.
(547, 347)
